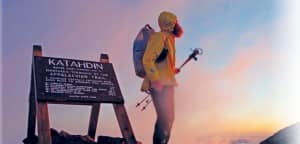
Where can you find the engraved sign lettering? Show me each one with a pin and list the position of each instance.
(59, 79)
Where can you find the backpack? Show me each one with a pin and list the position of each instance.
(139, 48)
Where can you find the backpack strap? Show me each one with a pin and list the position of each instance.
(164, 53)
(147, 26)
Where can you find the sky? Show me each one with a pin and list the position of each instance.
(242, 89)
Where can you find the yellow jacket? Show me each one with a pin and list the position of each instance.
(164, 71)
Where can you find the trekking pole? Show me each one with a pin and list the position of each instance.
(196, 51)
(139, 103)
(148, 101)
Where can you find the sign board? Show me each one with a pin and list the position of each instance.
(69, 80)
(77, 82)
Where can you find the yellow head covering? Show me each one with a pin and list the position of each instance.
(167, 21)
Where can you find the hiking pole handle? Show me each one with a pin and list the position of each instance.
(196, 51)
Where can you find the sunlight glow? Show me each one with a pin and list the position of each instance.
(290, 33)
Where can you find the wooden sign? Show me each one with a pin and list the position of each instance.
(69, 80)
(77, 82)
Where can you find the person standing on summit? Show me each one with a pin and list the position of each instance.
(159, 65)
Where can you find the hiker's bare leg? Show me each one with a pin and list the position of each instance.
(164, 105)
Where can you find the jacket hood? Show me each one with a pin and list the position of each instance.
(167, 21)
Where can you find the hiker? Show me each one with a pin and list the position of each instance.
(159, 81)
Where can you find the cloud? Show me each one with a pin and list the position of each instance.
(241, 141)
(246, 57)
(228, 140)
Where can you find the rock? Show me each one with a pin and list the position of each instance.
(56, 138)
(289, 135)
(110, 140)
(31, 140)
(64, 137)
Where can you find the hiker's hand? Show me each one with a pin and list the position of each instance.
(145, 85)
(156, 85)
(177, 70)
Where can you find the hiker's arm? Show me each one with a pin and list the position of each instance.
(153, 50)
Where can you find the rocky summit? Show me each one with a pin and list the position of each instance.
(66, 138)
(288, 135)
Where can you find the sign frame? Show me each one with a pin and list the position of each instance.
(38, 109)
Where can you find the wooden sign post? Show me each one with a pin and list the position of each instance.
(76, 82)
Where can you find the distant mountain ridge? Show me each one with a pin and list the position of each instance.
(288, 135)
